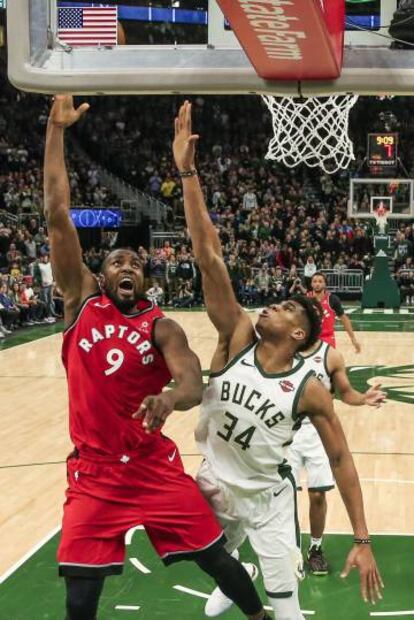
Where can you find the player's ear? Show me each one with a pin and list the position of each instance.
(101, 281)
(299, 335)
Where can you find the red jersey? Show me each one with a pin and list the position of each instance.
(330, 312)
(111, 365)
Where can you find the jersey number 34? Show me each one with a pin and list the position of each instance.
(243, 439)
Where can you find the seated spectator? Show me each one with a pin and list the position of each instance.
(185, 295)
(24, 308)
(156, 294)
(38, 309)
(9, 312)
(405, 280)
(277, 291)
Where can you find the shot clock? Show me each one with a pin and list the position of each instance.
(382, 150)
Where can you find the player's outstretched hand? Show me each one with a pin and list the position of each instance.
(63, 113)
(357, 346)
(362, 558)
(184, 140)
(155, 410)
(374, 397)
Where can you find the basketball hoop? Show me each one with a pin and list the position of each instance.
(381, 216)
(313, 131)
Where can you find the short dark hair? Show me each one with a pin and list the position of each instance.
(319, 273)
(314, 313)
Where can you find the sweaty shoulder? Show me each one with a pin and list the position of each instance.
(336, 305)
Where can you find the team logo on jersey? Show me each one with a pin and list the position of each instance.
(318, 359)
(396, 381)
(286, 386)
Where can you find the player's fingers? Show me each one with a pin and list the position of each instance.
(176, 126)
(372, 594)
(364, 587)
(193, 139)
(377, 584)
(188, 117)
(346, 569)
(379, 578)
(83, 108)
(181, 116)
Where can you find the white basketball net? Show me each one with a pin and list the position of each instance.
(313, 131)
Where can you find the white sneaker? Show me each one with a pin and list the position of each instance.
(2, 335)
(218, 602)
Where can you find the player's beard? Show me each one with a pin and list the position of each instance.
(124, 305)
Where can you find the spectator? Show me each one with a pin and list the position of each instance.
(156, 294)
(405, 280)
(309, 270)
(185, 295)
(46, 284)
(9, 312)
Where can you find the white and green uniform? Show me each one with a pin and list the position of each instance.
(307, 450)
(248, 419)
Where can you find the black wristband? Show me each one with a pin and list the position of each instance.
(188, 173)
(362, 541)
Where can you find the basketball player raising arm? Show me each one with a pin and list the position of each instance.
(121, 271)
(119, 352)
(243, 372)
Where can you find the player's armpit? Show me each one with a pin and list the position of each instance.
(182, 363)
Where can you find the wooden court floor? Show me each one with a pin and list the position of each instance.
(34, 435)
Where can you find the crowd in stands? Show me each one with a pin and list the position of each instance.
(277, 226)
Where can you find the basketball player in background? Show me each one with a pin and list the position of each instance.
(119, 352)
(332, 308)
(243, 433)
(314, 455)
(307, 449)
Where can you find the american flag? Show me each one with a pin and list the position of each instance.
(88, 26)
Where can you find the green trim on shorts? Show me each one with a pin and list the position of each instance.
(297, 526)
(322, 489)
(279, 594)
(284, 469)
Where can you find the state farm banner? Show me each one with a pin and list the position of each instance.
(289, 39)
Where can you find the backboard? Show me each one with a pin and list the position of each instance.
(395, 195)
(39, 62)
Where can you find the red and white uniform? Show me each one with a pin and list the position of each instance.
(119, 476)
(332, 308)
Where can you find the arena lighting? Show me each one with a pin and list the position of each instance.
(402, 25)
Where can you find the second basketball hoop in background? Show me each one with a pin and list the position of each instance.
(313, 131)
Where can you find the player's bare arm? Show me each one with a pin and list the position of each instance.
(233, 324)
(374, 396)
(350, 331)
(72, 276)
(317, 402)
(185, 370)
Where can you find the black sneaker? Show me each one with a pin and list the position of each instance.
(317, 562)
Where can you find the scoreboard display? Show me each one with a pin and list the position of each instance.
(382, 150)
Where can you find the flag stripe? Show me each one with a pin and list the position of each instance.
(88, 26)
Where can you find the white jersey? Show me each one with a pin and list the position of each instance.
(318, 362)
(248, 418)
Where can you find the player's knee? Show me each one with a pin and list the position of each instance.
(217, 563)
(317, 498)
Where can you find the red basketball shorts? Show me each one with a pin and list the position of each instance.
(106, 497)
